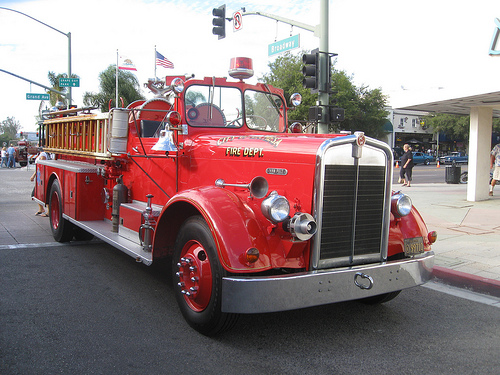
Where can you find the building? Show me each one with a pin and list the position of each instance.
(409, 127)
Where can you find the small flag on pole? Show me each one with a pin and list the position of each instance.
(125, 63)
(163, 61)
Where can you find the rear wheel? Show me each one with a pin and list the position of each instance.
(62, 229)
(198, 279)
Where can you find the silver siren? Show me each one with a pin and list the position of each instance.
(258, 186)
(302, 226)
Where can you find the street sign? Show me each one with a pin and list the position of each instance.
(283, 45)
(30, 96)
(237, 21)
(69, 82)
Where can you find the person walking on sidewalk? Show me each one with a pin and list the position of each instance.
(4, 157)
(407, 164)
(495, 163)
(41, 156)
(11, 153)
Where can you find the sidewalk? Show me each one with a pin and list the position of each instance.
(468, 245)
(467, 250)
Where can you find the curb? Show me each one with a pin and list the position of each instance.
(465, 280)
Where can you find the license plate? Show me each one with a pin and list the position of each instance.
(414, 245)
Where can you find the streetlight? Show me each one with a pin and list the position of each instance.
(59, 31)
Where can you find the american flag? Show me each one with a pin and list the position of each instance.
(163, 61)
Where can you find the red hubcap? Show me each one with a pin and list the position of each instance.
(195, 276)
(54, 210)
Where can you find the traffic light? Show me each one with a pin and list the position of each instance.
(311, 70)
(219, 21)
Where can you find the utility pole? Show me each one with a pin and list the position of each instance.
(320, 31)
(324, 66)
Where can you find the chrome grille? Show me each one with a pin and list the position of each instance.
(353, 203)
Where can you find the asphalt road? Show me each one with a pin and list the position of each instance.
(90, 309)
(426, 173)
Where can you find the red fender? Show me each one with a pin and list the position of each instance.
(409, 226)
(233, 224)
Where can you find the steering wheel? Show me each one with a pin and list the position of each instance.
(263, 119)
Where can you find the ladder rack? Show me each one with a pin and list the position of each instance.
(84, 135)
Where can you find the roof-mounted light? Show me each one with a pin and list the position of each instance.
(241, 67)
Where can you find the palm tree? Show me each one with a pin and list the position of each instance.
(128, 89)
(54, 81)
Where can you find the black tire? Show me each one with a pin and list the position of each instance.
(427, 162)
(62, 229)
(201, 306)
(382, 298)
(464, 176)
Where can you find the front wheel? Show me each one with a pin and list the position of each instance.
(464, 177)
(198, 279)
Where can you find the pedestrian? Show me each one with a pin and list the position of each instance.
(41, 156)
(4, 157)
(401, 178)
(495, 163)
(11, 153)
(407, 164)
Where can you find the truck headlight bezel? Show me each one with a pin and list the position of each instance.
(275, 207)
(401, 205)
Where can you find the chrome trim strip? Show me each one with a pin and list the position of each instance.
(72, 166)
(250, 295)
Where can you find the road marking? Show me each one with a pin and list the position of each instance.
(463, 293)
(21, 246)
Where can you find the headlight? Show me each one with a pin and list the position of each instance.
(275, 207)
(400, 205)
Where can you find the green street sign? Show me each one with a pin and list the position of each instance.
(283, 45)
(30, 96)
(69, 82)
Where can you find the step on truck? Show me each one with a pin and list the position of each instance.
(254, 217)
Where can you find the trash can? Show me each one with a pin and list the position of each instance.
(452, 174)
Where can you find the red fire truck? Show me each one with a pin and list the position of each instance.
(254, 217)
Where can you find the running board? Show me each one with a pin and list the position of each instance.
(102, 229)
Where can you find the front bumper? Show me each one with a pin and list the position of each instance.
(249, 295)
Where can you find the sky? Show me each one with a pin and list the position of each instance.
(415, 52)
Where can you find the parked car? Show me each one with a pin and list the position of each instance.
(421, 158)
(454, 158)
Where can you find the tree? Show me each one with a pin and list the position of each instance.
(54, 81)
(454, 126)
(128, 89)
(364, 108)
(9, 129)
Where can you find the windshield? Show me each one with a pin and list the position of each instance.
(263, 110)
(213, 106)
(216, 106)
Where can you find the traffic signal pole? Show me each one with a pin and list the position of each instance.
(324, 71)
(320, 31)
